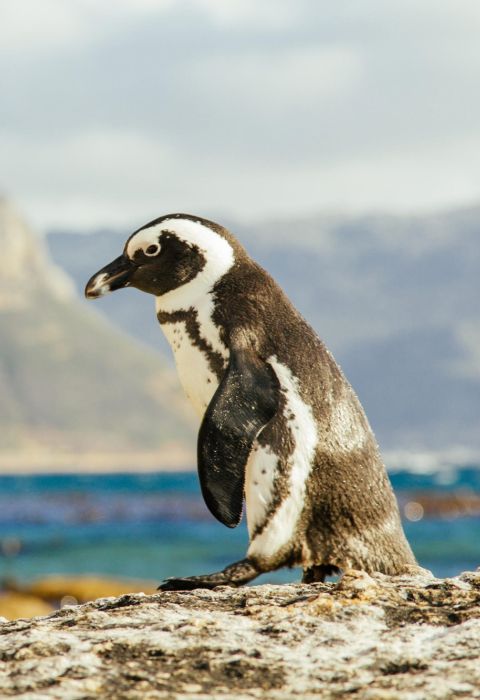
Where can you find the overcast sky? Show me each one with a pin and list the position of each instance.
(114, 113)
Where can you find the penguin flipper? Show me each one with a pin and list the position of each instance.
(245, 401)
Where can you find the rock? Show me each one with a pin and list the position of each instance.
(370, 636)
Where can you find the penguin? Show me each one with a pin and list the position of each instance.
(281, 429)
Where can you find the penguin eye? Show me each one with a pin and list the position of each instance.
(152, 249)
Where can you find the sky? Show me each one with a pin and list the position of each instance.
(112, 114)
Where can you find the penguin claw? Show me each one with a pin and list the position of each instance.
(237, 574)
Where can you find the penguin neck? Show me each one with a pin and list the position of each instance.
(195, 294)
(198, 346)
(197, 316)
(194, 302)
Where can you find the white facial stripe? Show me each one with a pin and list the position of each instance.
(196, 294)
(218, 255)
(142, 240)
(282, 526)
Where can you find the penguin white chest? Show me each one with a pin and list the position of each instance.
(196, 376)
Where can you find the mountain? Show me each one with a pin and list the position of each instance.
(396, 298)
(69, 380)
(26, 269)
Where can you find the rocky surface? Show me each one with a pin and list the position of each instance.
(411, 637)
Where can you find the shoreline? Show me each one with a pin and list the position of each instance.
(57, 462)
(177, 458)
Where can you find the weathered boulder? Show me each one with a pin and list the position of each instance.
(410, 637)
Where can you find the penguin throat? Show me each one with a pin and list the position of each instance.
(200, 355)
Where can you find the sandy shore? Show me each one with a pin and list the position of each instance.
(58, 462)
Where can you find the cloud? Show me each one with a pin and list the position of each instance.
(105, 172)
(238, 106)
(282, 78)
(269, 15)
(121, 178)
(29, 26)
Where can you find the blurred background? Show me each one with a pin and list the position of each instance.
(341, 143)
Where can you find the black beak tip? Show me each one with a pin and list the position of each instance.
(115, 275)
(90, 294)
(96, 286)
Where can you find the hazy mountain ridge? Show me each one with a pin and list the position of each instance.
(395, 298)
(26, 269)
(68, 379)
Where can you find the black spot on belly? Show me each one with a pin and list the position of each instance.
(189, 317)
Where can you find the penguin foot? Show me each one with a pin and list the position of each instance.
(318, 574)
(236, 574)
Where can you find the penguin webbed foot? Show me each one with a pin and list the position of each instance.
(318, 573)
(237, 574)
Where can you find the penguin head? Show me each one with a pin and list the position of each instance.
(177, 253)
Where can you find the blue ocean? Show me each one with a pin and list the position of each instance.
(155, 525)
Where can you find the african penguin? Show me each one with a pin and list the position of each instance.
(280, 426)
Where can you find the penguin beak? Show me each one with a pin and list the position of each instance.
(113, 276)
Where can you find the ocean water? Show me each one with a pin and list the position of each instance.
(151, 526)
